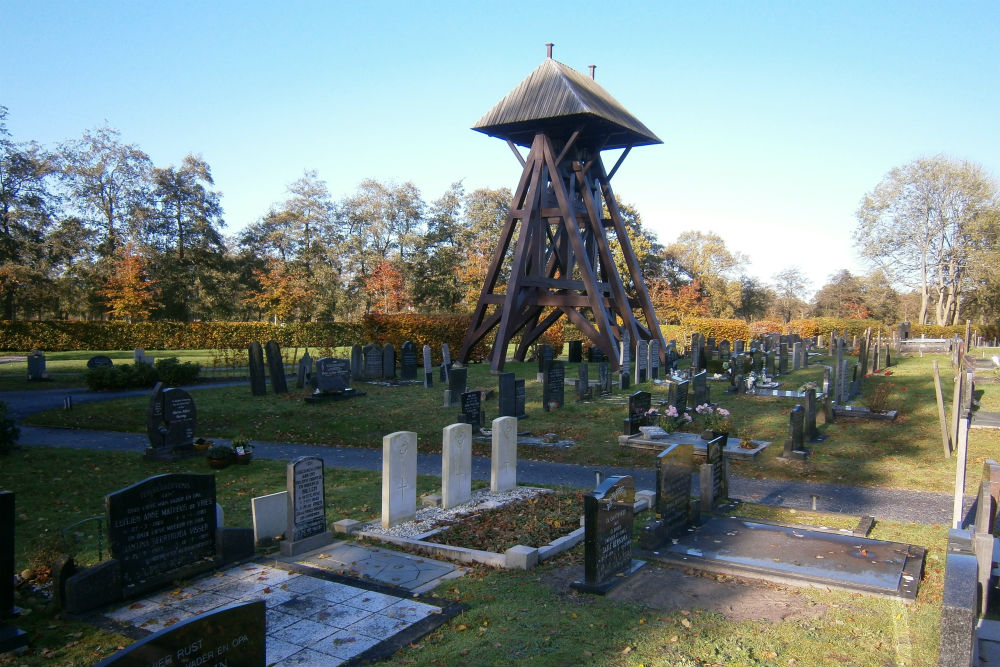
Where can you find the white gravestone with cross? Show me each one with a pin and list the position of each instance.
(399, 478)
(503, 458)
(456, 465)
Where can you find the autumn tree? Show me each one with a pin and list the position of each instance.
(435, 282)
(923, 224)
(129, 293)
(283, 293)
(789, 287)
(703, 256)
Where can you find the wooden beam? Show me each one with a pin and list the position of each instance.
(517, 153)
(569, 144)
(619, 163)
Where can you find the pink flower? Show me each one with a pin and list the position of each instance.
(723, 412)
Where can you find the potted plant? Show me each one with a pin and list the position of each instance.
(220, 456)
(242, 450)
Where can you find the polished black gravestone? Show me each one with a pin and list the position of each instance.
(99, 361)
(233, 635)
(674, 467)
(714, 478)
(794, 446)
(258, 382)
(388, 362)
(545, 357)
(171, 421)
(276, 367)
(372, 361)
(554, 386)
(307, 529)
(472, 410)
(507, 395)
(161, 527)
(583, 389)
(575, 351)
(11, 638)
(36, 367)
(304, 371)
(607, 526)
(408, 361)
(457, 383)
(333, 381)
(639, 405)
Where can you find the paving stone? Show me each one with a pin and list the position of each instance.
(345, 644)
(334, 592)
(372, 601)
(378, 626)
(301, 584)
(409, 610)
(303, 633)
(342, 616)
(278, 650)
(201, 603)
(277, 620)
(310, 658)
(303, 606)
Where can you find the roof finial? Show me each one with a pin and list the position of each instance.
(592, 68)
(548, 49)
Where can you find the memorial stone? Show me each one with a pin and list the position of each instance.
(699, 385)
(681, 400)
(809, 420)
(258, 381)
(794, 445)
(357, 362)
(696, 352)
(519, 399)
(11, 637)
(639, 405)
(472, 410)
(372, 354)
(769, 366)
(304, 371)
(783, 359)
(554, 389)
(595, 355)
(408, 360)
(399, 478)
(456, 383)
(575, 351)
(36, 366)
(739, 346)
(160, 526)
(796, 356)
(654, 359)
(428, 367)
(545, 357)
(583, 392)
(276, 367)
(674, 467)
(445, 361)
(270, 516)
(503, 455)
(333, 375)
(641, 361)
(671, 357)
(99, 361)
(389, 362)
(607, 521)
(507, 395)
(155, 427)
(456, 465)
(307, 528)
(604, 377)
(171, 421)
(724, 350)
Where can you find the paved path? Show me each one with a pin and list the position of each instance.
(893, 504)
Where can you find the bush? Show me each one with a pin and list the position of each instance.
(172, 372)
(9, 432)
(124, 376)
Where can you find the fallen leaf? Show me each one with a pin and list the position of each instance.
(686, 623)
(626, 650)
(461, 628)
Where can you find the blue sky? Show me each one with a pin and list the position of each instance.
(776, 117)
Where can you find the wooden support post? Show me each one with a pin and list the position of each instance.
(942, 417)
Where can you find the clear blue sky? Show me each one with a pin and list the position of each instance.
(776, 117)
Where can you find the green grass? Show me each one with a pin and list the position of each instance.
(906, 453)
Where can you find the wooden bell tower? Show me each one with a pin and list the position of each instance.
(562, 214)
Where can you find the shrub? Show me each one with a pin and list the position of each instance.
(172, 372)
(124, 376)
(9, 432)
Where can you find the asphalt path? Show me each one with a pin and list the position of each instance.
(891, 504)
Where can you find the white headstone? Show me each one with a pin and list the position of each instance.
(270, 515)
(456, 465)
(399, 478)
(503, 458)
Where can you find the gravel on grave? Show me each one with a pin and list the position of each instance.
(430, 518)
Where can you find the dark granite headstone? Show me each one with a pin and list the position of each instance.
(258, 382)
(507, 384)
(583, 392)
(306, 498)
(641, 361)
(554, 387)
(303, 374)
(783, 359)
(639, 405)
(724, 349)
(11, 638)
(445, 362)
(654, 359)
(389, 362)
(681, 399)
(36, 366)
(739, 346)
(794, 445)
(607, 521)
(699, 384)
(472, 410)
(671, 356)
(99, 361)
(519, 398)
(575, 351)
(595, 355)
(180, 416)
(714, 483)
(674, 467)
(810, 416)
(232, 635)
(333, 375)
(545, 357)
(357, 363)
(408, 360)
(457, 382)
(276, 367)
(428, 367)
(160, 526)
(604, 377)
(373, 361)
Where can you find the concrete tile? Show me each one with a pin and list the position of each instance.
(279, 650)
(202, 602)
(161, 618)
(303, 633)
(310, 658)
(372, 601)
(305, 584)
(134, 610)
(239, 588)
(277, 620)
(378, 626)
(341, 616)
(410, 611)
(303, 606)
(243, 570)
(346, 645)
(272, 597)
(174, 595)
(337, 592)
(272, 576)
(215, 581)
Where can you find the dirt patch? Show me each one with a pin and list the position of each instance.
(674, 589)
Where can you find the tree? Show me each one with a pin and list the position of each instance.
(129, 293)
(434, 280)
(485, 215)
(673, 305)
(754, 298)
(283, 293)
(704, 257)
(923, 223)
(789, 286)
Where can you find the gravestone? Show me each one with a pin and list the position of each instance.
(445, 361)
(554, 389)
(428, 367)
(503, 455)
(36, 366)
(372, 354)
(827, 371)
(457, 383)
(171, 421)
(408, 360)
(160, 527)
(671, 357)
(639, 405)
(507, 393)
(231, 635)
(583, 392)
(699, 385)
(654, 359)
(714, 480)
(696, 352)
(306, 529)
(575, 351)
(604, 377)
(783, 359)
(276, 367)
(680, 401)
(389, 362)
(258, 381)
(99, 361)
(545, 357)
(11, 637)
(155, 427)
(809, 420)
(595, 355)
(472, 410)
(607, 526)
(332, 375)
(357, 362)
(641, 361)
(710, 348)
(625, 359)
(304, 371)
(456, 465)
(399, 478)
(796, 356)
(270, 516)
(724, 350)
(739, 346)
(674, 467)
(795, 444)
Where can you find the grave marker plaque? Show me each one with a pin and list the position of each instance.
(276, 367)
(472, 409)
(36, 366)
(258, 382)
(607, 512)
(233, 635)
(306, 506)
(161, 525)
(674, 467)
(554, 389)
(333, 375)
(99, 361)
(372, 361)
(408, 360)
